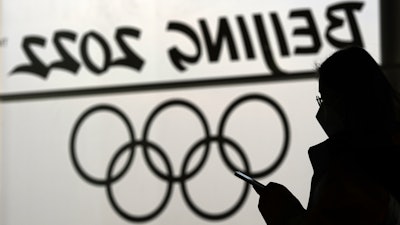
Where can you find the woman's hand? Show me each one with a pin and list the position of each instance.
(278, 205)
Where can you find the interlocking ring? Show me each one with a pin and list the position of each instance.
(283, 119)
(150, 120)
(110, 194)
(239, 203)
(85, 175)
(148, 145)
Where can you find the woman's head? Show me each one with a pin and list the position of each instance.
(355, 93)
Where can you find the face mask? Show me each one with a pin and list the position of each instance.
(329, 120)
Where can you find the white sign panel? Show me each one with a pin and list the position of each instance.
(127, 112)
(55, 45)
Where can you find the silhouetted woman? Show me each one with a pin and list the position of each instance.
(356, 170)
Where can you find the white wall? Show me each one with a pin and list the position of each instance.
(40, 182)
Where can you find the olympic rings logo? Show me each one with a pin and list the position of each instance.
(220, 139)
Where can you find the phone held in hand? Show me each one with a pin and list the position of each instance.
(256, 185)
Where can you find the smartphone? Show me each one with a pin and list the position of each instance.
(256, 185)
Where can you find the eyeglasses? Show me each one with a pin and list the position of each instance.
(319, 100)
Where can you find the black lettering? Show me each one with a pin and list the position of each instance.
(280, 35)
(85, 53)
(336, 22)
(176, 56)
(130, 59)
(246, 38)
(224, 33)
(265, 46)
(66, 61)
(35, 65)
(310, 30)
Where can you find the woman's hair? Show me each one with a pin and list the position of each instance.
(367, 98)
(354, 77)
